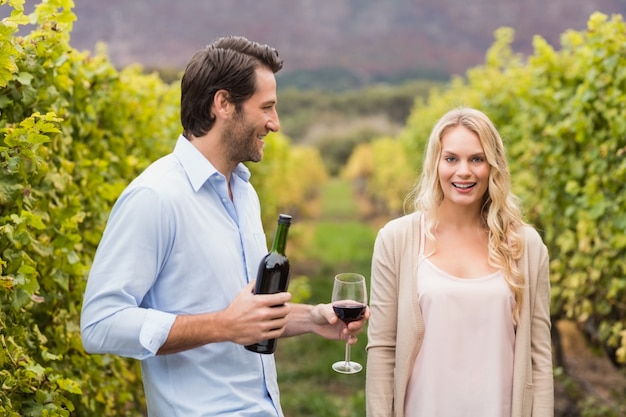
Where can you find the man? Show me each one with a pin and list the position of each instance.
(172, 280)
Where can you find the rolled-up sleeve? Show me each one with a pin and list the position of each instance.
(113, 319)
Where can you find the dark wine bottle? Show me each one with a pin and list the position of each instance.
(273, 275)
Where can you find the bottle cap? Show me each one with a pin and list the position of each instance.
(284, 219)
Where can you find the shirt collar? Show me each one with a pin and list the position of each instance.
(197, 167)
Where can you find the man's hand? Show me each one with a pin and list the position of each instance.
(322, 320)
(328, 325)
(251, 317)
(248, 319)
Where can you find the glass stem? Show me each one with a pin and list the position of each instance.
(347, 353)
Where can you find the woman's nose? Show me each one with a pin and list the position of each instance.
(463, 168)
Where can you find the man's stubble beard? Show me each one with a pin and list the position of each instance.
(240, 139)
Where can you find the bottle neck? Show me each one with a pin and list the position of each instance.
(280, 238)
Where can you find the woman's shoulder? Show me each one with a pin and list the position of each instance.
(401, 229)
(535, 247)
(530, 235)
(401, 224)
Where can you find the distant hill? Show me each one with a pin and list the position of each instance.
(363, 39)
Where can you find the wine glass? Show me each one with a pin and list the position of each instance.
(349, 300)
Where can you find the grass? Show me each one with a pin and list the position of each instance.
(335, 242)
(337, 202)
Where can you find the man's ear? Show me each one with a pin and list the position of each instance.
(222, 105)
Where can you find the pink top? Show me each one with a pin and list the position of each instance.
(465, 365)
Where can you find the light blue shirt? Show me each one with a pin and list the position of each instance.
(176, 244)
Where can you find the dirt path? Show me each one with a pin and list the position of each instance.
(590, 376)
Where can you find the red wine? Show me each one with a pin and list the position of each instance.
(349, 311)
(273, 275)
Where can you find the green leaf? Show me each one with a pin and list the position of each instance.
(69, 385)
(24, 78)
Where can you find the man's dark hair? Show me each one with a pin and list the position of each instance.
(229, 63)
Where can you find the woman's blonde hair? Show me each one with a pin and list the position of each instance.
(500, 212)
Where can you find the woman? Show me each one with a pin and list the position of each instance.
(460, 292)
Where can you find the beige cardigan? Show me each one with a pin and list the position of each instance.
(393, 343)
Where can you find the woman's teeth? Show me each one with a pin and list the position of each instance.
(464, 186)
